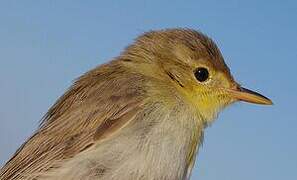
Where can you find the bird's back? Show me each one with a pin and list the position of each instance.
(75, 121)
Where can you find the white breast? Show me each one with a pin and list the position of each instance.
(157, 148)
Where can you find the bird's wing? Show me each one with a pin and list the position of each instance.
(100, 103)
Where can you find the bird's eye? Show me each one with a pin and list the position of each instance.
(201, 74)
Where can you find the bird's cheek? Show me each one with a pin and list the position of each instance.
(205, 104)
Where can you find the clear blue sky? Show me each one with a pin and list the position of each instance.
(44, 45)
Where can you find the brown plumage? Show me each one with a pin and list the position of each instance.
(80, 116)
(122, 99)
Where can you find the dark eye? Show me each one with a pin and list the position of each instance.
(201, 74)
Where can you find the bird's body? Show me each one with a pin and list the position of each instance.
(137, 117)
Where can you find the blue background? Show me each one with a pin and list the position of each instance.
(44, 45)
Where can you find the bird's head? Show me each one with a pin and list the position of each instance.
(190, 62)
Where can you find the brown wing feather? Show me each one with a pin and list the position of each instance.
(99, 103)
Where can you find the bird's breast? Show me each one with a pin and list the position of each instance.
(160, 145)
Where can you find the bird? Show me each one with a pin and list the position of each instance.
(140, 116)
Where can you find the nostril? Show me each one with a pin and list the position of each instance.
(235, 86)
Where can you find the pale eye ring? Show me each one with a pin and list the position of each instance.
(201, 74)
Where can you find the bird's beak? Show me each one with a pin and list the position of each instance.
(243, 94)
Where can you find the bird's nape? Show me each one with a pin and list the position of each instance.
(140, 116)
